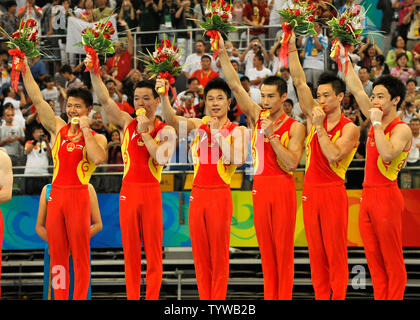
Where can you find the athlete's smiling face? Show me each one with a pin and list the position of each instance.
(76, 107)
(217, 103)
(144, 98)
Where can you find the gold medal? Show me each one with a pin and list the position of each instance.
(70, 147)
(265, 114)
(205, 120)
(140, 111)
(75, 120)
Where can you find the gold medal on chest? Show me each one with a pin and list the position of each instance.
(70, 147)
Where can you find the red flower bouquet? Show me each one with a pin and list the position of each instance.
(23, 42)
(164, 62)
(346, 30)
(300, 18)
(97, 41)
(218, 19)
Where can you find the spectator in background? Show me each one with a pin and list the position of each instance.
(413, 158)
(9, 98)
(5, 69)
(129, 83)
(102, 10)
(408, 111)
(39, 70)
(379, 67)
(398, 46)
(38, 152)
(9, 21)
(412, 20)
(98, 125)
(71, 80)
(206, 73)
(51, 93)
(12, 137)
(313, 57)
(258, 73)
(31, 11)
(367, 52)
(237, 20)
(235, 65)
(149, 21)
(187, 107)
(402, 71)
(275, 63)
(193, 85)
(33, 122)
(247, 57)
(193, 61)
(114, 93)
(87, 13)
(127, 14)
(254, 93)
(167, 10)
(402, 8)
(114, 153)
(115, 159)
(364, 75)
(255, 15)
(183, 12)
(119, 65)
(411, 94)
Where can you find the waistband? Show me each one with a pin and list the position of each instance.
(224, 186)
(392, 184)
(68, 187)
(324, 185)
(141, 185)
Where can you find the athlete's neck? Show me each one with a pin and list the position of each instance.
(388, 118)
(222, 121)
(334, 116)
(73, 129)
(276, 115)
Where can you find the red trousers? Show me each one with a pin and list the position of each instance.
(1, 243)
(68, 227)
(274, 221)
(380, 223)
(210, 216)
(325, 216)
(141, 222)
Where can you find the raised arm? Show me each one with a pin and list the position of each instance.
(250, 108)
(114, 114)
(356, 88)
(168, 112)
(44, 110)
(306, 101)
(6, 177)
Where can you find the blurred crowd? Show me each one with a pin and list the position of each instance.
(253, 55)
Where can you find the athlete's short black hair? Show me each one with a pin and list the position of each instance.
(81, 93)
(395, 87)
(338, 85)
(217, 83)
(147, 84)
(276, 81)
